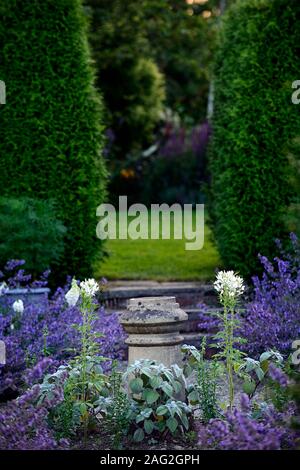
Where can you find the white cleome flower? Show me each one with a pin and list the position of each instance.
(73, 294)
(18, 306)
(3, 288)
(229, 283)
(89, 287)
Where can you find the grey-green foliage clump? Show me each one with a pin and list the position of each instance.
(31, 231)
(50, 126)
(254, 123)
(155, 407)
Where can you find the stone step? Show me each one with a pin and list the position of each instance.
(187, 294)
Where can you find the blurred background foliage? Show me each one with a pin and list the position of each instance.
(153, 61)
(129, 87)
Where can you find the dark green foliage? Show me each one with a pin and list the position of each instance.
(182, 43)
(116, 420)
(132, 86)
(30, 231)
(170, 33)
(50, 128)
(293, 214)
(254, 122)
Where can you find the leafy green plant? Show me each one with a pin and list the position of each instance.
(88, 361)
(204, 391)
(254, 122)
(155, 408)
(50, 127)
(269, 371)
(229, 287)
(76, 408)
(114, 410)
(30, 230)
(63, 418)
(253, 372)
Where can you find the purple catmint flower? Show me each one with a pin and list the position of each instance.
(48, 330)
(272, 318)
(24, 425)
(12, 264)
(240, 431)
(278, 375)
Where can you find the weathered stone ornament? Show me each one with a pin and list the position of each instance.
(153, 325)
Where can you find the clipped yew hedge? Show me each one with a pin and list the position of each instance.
(50, 127)
(254, 123)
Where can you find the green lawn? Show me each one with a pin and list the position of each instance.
(161, 260)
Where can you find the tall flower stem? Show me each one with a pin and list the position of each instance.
(230, 287)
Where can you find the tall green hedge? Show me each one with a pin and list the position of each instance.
(50, 127)
(253, 124)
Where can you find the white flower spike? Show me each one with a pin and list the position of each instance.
(72, 296)
(229, 284)
(18, 306)
(89, 287)
(3, 288)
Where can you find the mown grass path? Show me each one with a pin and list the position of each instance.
(161, 260)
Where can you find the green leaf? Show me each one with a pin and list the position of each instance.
(162, 410)
(172, 424)
(146, 413)
(249, 387)
(265, 356)
(155, 381)
(83, 408)
(167, 389)
(138, 435)
(185, 422)
(260, 373)
(148, 426)
(136, 385)
(177, 386)
(161, 426)
(151, 396)
(193, 397)
(178, 371)
(264, 366)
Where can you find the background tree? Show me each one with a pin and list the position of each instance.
(133, 87)
(182, 35)
(254, 124)
(50, 128)
(177, 35)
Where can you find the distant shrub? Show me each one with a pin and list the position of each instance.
(254, 122)
(132, 85)
(31, 231)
